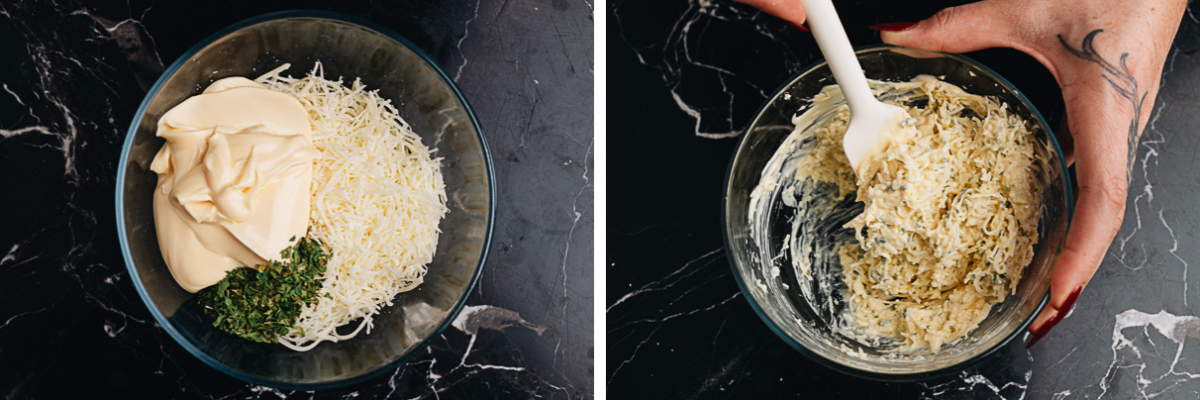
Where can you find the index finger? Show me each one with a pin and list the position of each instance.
(788, 10)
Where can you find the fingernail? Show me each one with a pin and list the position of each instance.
(893, 26)
(1058, 316)
(798, 26)
(1037, 335)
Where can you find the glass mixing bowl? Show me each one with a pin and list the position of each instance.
(426, 98)
(794, 307)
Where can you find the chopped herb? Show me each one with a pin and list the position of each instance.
(262, 304)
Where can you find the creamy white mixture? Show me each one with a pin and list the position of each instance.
(950, 218)
(233, 179)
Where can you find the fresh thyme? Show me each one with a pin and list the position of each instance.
(262, 304)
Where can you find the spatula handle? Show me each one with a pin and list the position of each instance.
(827, 28)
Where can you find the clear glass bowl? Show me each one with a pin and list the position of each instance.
(794, 308)
(428, 99)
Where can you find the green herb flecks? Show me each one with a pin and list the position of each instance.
(261, 305)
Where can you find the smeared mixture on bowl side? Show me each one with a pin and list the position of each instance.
(950, 219)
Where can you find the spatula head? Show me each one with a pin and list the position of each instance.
(870, 132)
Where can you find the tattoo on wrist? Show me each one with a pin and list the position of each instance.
(1119, 77)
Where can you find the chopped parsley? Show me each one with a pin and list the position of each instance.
(262, 304)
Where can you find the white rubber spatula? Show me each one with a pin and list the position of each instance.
(872, 123)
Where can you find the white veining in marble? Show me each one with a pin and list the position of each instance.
(466, 31)
(970, 383)
(11, 255)
(14, 94)
(690, 278)
(667, 281)
(678, 58)
(587, 183)
(1155, 374)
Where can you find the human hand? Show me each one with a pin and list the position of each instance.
(1107, 55)
(788, 10)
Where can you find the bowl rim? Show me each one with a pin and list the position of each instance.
(833, 364)
(132, 132)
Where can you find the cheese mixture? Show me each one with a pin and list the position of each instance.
(950, 214)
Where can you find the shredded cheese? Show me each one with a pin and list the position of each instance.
(377, 199)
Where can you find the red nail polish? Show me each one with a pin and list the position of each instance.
(893, 26)
(798, 26)
(1058, 316)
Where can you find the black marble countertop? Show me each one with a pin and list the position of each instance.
(685, 77)
(73, 74)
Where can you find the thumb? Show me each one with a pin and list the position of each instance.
(1100, 123)
(970, 27)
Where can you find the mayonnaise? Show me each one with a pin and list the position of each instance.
(233, 180)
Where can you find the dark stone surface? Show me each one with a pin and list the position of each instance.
(73, 74)
(685, 77)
